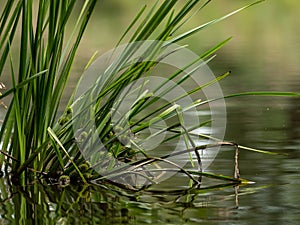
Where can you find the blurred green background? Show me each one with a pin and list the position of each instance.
(265, 47)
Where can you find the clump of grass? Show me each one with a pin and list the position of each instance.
(32, 135)
(46, 55)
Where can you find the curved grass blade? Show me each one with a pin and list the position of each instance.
(23, 83)
(187, 19)
(265, 93)
(240, 146)
(197, 29)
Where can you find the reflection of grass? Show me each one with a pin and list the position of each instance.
(39, 144)
(78, 204)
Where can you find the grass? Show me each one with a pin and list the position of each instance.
(36, 143)
(45, 60)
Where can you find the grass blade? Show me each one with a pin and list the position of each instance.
(199, 28)
(55, 138)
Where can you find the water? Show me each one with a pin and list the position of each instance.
(263, 57)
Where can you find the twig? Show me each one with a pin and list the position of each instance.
(236, 163)
(9, 156)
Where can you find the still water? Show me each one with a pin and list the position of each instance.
(262, 57)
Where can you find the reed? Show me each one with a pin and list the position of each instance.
(36, 142)
(46, 55)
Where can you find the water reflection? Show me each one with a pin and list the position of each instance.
(272, 199)
(43, 204)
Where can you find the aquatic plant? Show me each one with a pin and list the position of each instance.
(37, 142)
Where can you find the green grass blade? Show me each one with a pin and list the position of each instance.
(137, 17)
(56, 149)
(189, 18)
(199, 28)
(239, 146)
(215, 176)
(187, 139)
(265, 93)
(23, 83)
(55, 138)
(257, 93)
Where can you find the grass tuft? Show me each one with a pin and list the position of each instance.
(32, 136)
